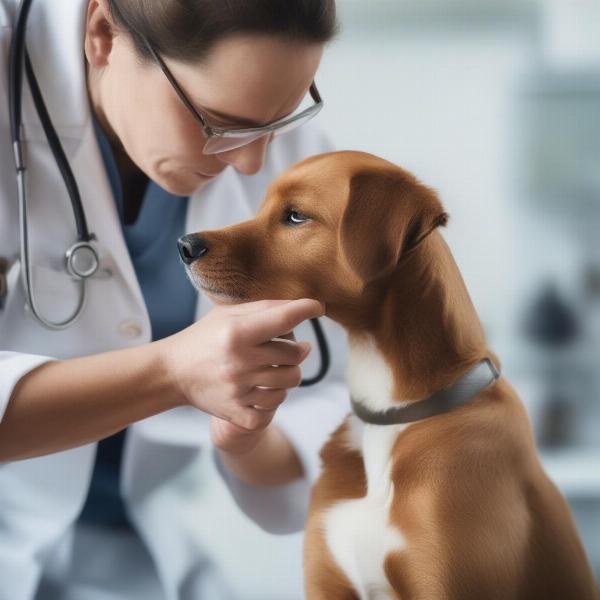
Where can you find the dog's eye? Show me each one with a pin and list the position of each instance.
(293, 217)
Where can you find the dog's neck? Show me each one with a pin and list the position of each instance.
(422, 322)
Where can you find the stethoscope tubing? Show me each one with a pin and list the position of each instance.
(19, 63)
(323, 351)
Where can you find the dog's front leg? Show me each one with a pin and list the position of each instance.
(323, 580)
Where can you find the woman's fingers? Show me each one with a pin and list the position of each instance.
(280, 319)
(280, 352)
(276, 377)
(246, 308)
(265, 399)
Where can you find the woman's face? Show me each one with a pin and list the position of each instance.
(246, 80)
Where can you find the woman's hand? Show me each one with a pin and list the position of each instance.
(229, 365)
(214, 365)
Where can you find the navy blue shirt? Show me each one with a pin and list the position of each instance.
(171, 301)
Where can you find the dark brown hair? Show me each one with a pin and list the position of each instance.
(187, 30)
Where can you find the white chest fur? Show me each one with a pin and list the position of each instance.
(358, 532)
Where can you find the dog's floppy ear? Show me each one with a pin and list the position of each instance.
(388, 213)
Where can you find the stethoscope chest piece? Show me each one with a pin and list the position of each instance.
(81, 260)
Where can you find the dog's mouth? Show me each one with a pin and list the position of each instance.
(222, 296)
(215, 292)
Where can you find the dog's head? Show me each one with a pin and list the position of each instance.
(328, 227)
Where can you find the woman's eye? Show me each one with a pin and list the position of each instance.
(293, 217)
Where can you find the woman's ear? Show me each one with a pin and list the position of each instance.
(99, 33)
(388, 212)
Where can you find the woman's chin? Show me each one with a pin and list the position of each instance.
(179, 186)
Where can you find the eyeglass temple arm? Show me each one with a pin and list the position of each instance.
(173, 82)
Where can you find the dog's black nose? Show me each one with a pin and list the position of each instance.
(191, 248)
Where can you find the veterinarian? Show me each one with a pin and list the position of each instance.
(168, 114)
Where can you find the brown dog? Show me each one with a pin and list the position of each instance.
(451, 504)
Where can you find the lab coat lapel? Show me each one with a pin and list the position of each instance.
(101, 211)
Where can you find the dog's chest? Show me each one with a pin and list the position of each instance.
(358, 532)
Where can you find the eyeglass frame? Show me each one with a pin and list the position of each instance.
(209, 130)
(219, 132)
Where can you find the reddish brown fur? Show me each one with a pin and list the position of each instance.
(480, 517)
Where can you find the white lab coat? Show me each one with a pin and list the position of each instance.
(41, 498)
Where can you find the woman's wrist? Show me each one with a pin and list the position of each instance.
(165, 375)
(264, 458)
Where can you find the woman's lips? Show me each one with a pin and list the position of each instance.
(206, 175)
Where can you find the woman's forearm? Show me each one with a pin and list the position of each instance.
(273, 461)
(64, 404)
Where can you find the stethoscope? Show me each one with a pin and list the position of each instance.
(81, 259)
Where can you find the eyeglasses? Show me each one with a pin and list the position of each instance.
(222, 140)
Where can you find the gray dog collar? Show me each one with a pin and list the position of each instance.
(460, 392)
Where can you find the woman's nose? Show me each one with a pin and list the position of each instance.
(247, 159)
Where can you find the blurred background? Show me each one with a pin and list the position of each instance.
(495, 104)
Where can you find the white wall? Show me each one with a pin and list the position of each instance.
(440, 104)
